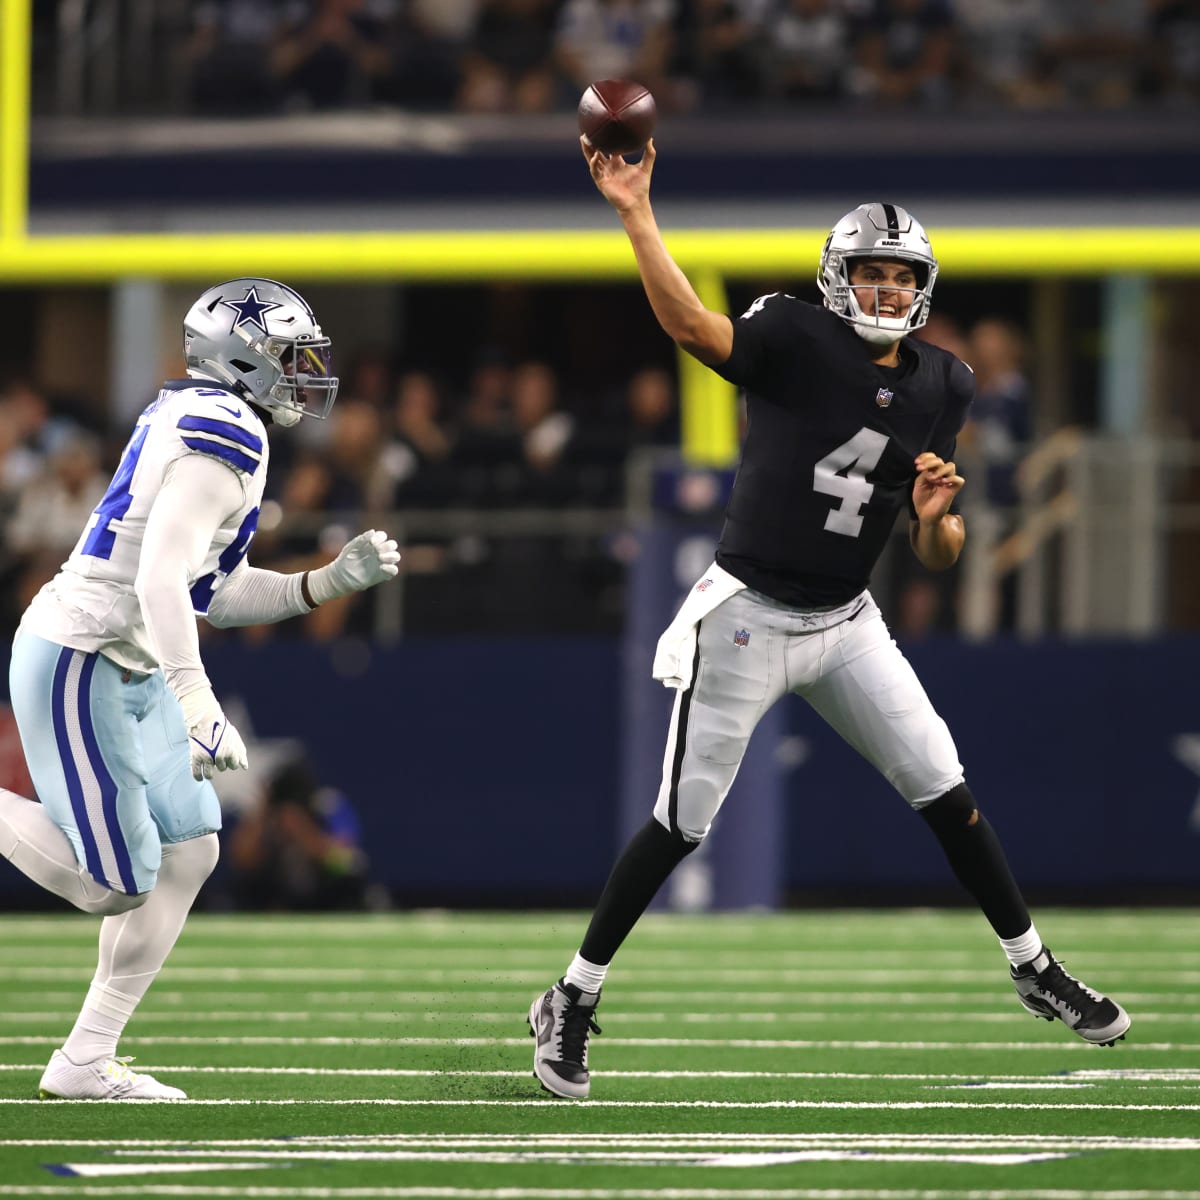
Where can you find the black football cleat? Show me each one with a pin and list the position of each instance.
(561, 1020)
(1046, 990)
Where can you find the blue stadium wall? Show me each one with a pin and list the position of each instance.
(489, 772)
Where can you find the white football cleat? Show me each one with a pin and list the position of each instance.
(104, 1079)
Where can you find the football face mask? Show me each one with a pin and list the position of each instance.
(307, 374)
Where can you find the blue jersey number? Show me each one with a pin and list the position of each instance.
(116, 501)
(206, 585)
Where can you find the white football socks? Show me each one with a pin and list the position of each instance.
(1023, 949)
(133, 947)
(586, 976)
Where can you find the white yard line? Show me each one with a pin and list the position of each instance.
(713, 1043)
(1010, 1013)
(563, 1193)
(536, 1102)
(566, 1141)
(1076, 1079)
(978, 1079)
(629, 1001)
(452, 955)
(453, 977)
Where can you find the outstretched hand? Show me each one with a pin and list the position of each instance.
(938, 482)
(369, 559)
(623, 184)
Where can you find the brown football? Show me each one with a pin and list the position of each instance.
(617, 115)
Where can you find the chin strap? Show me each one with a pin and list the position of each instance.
(877, 336)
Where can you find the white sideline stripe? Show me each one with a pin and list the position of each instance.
(535, 1102)
(454, 976)
(1009, 1014)
(561, 1193)
(718, 1043)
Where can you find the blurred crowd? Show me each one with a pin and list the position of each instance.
(501, 437)
(504, 56)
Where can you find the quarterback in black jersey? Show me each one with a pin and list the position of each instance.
(849, 423)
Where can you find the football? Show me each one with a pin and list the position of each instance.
(617, 115)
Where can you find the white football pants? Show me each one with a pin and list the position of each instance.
(752, 650)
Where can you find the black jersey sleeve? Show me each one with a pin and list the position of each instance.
(759, 335)
(960, 391)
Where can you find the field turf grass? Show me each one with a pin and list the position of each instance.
(824, 1055)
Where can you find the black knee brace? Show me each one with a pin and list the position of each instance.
(952, 811)
(976, 857)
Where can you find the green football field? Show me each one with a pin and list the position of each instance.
(830, 1055)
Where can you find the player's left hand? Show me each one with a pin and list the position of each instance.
(213, 743)
(366, 560)
(938, 482)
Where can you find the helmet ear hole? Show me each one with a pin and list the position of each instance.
(241, 364)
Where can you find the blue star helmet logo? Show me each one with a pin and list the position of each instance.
(250, 310)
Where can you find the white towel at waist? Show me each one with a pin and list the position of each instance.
(676, 652)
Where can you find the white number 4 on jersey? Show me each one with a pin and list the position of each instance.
(856, 458)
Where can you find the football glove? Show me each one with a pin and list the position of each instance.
(213, 742)
(364, 561)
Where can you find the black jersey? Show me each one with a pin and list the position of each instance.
(827, 462)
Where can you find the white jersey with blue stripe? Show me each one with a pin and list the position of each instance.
(91, 603)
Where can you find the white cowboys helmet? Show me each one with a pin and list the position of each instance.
(877, 231)
(261, 339)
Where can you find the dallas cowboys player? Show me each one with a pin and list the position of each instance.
(849, 424)
(117, 717)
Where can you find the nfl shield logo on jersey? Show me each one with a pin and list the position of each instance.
(741, 637)
(883, 397)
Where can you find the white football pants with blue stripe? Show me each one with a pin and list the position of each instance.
(107, 752)
(751, 651)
